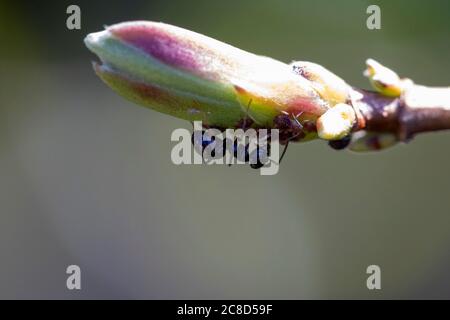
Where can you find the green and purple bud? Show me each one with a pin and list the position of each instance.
(193, 77)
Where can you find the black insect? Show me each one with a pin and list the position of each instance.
(340, 144)
(290, 129)
(257, 156)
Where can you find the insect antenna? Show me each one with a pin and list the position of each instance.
(296, 119)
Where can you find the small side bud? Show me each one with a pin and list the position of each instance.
(384, 80)
(336, 123)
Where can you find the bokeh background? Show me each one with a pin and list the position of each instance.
(86, 177)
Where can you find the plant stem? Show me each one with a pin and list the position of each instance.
(419, 109)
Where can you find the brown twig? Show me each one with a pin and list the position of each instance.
(419, 109)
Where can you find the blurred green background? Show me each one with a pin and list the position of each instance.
(86, 176)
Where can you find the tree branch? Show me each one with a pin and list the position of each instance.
(419, 109)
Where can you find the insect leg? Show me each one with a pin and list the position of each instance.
(292, 137)
(244, 127)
